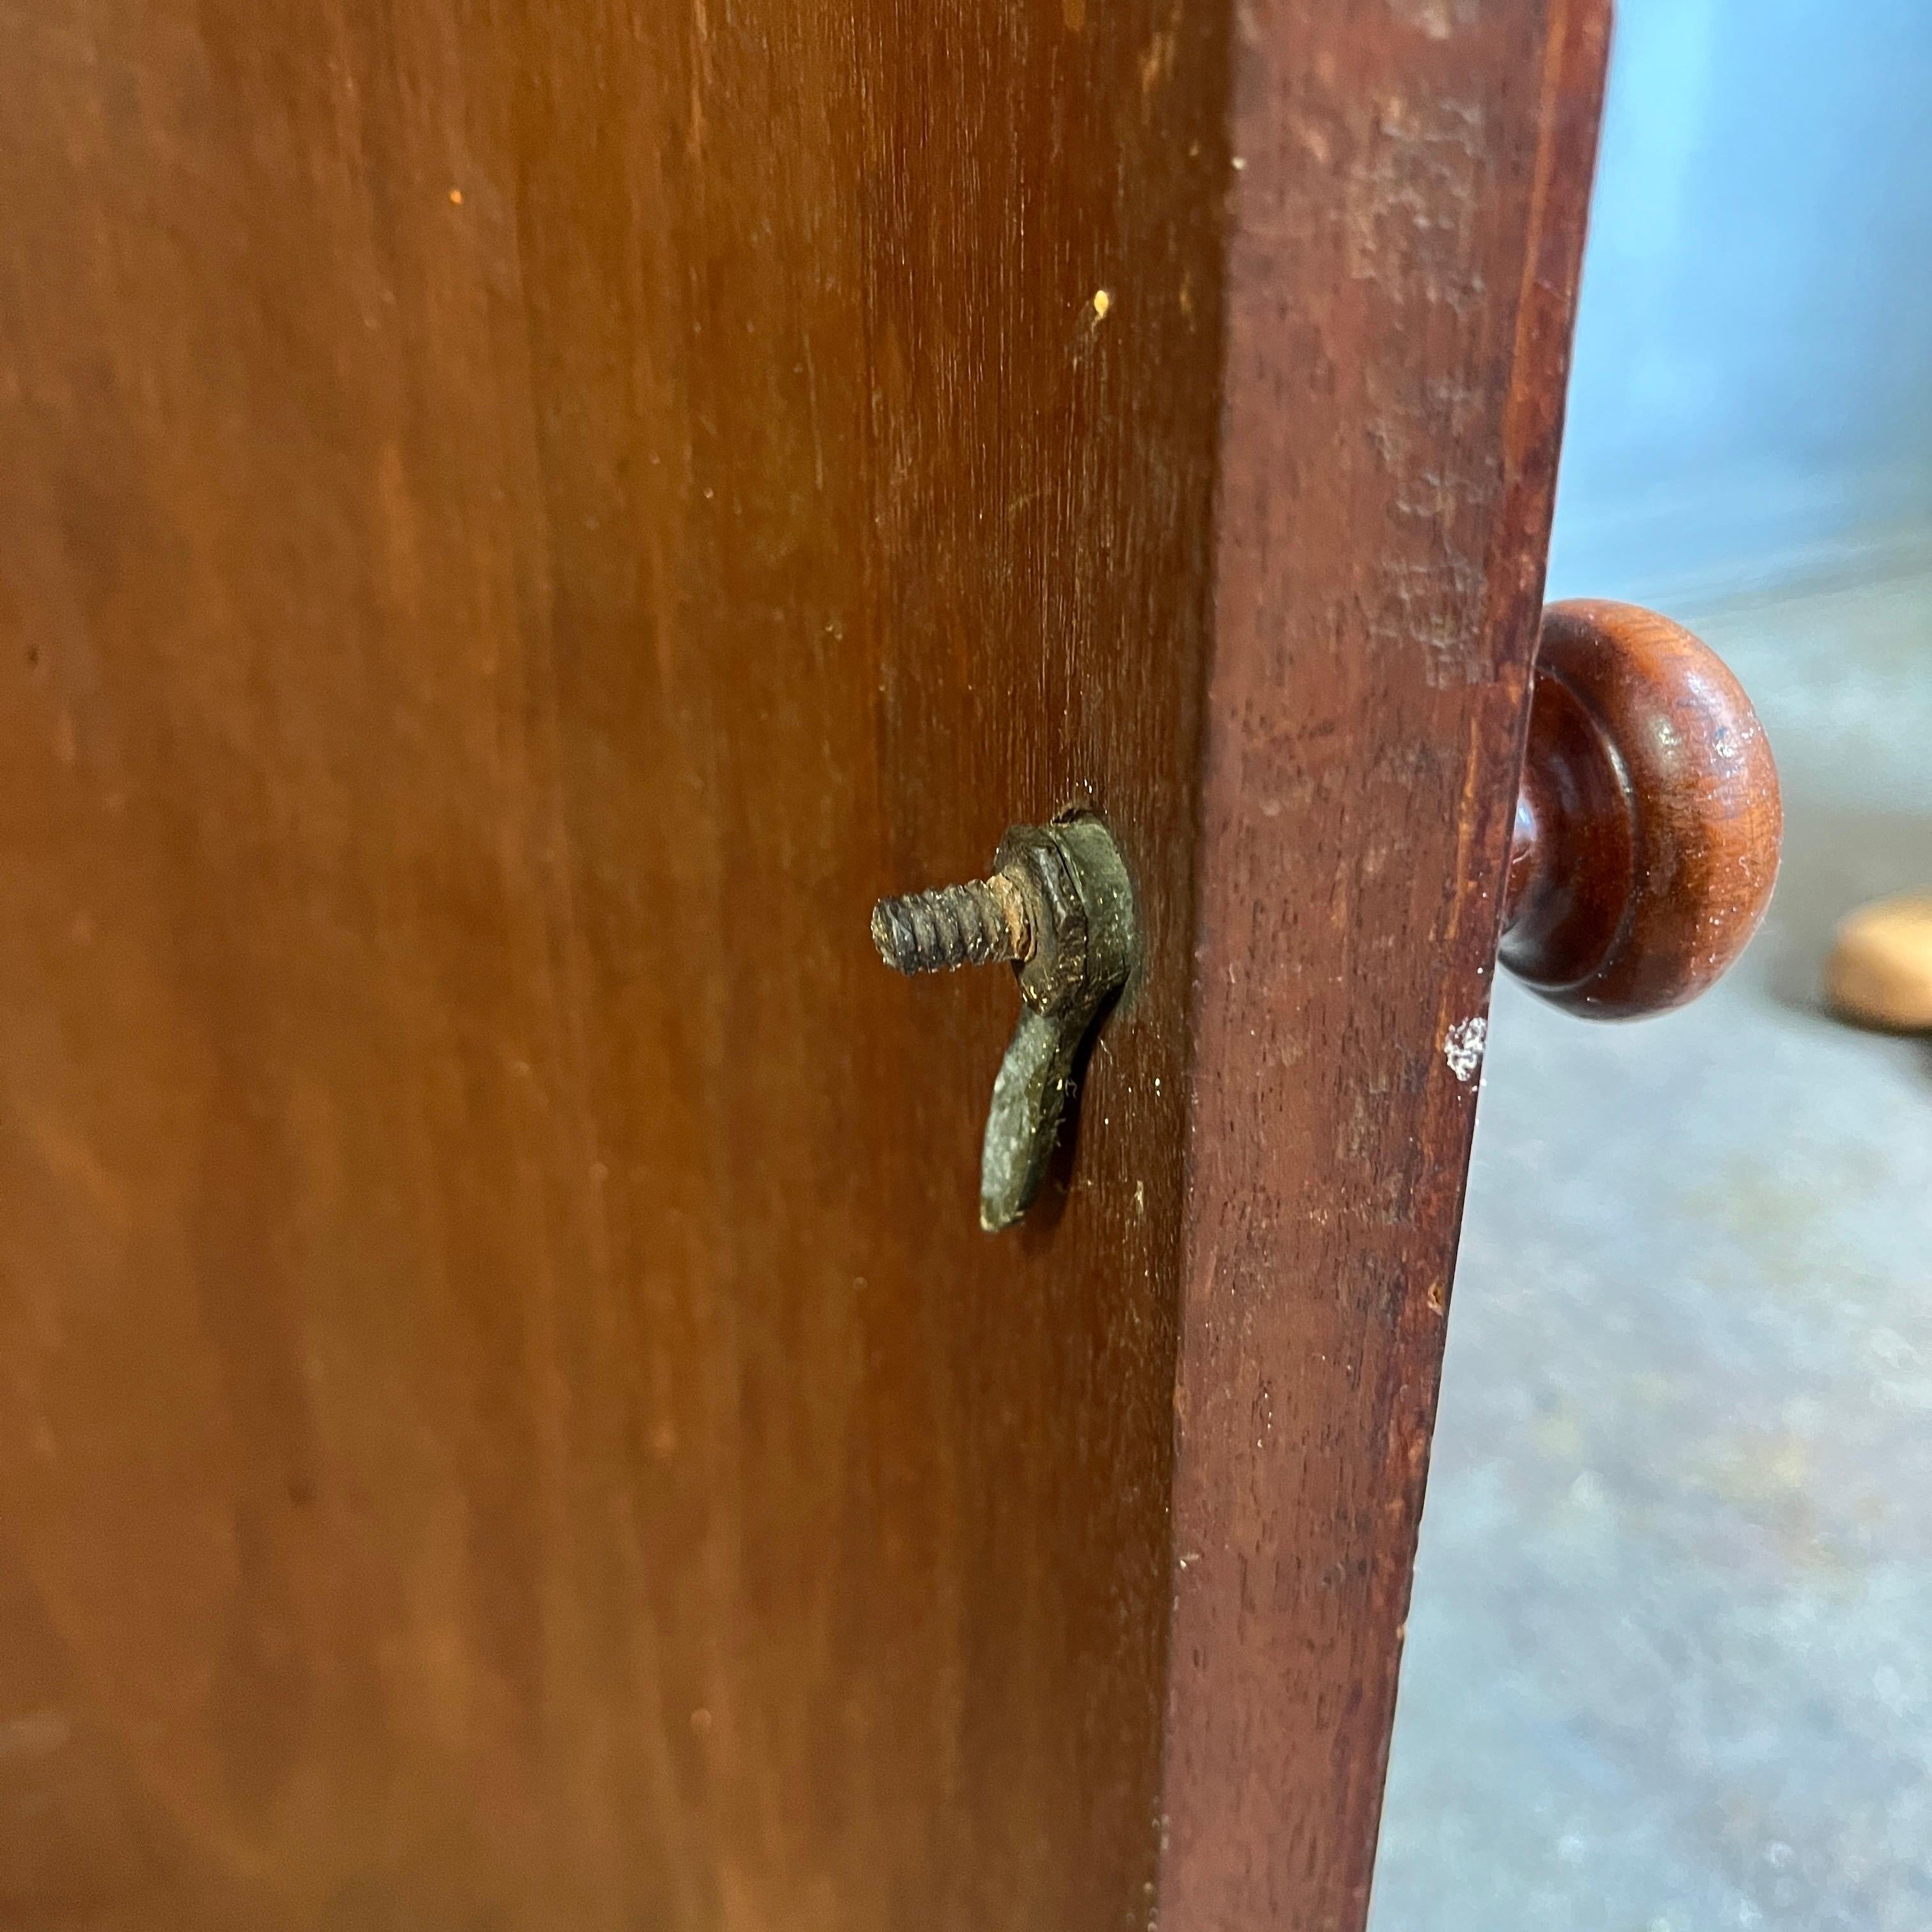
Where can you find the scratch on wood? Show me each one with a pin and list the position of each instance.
(1462, 1048)
(1439, 18)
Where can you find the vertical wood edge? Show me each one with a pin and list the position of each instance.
(1266, 1821)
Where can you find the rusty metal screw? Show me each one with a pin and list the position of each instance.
(1060, 907)
(974, 925)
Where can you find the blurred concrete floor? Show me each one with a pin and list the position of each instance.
(1669, 1661)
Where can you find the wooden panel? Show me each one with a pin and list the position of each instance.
(1403, 262)
(520, 519)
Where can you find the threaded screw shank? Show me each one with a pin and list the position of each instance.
(954, 925)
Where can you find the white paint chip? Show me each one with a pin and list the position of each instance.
(1463, 1047)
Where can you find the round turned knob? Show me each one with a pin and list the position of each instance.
(1648, 821)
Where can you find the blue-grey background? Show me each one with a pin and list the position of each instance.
(1669, 1660)
(1752, 397)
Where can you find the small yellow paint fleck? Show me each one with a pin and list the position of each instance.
(1239, 164)
(1103, 301)
(456, 197)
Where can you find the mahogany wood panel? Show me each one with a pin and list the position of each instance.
(1403, 250)
(520, 521)
(1648, 821)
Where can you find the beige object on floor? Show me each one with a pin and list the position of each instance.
(1880, 970)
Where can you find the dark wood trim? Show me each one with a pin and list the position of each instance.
(1397, 354)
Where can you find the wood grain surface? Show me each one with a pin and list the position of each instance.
(520, 520)
(1402, 257)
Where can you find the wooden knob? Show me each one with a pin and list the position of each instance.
(1648, 820)
(1879, 973)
